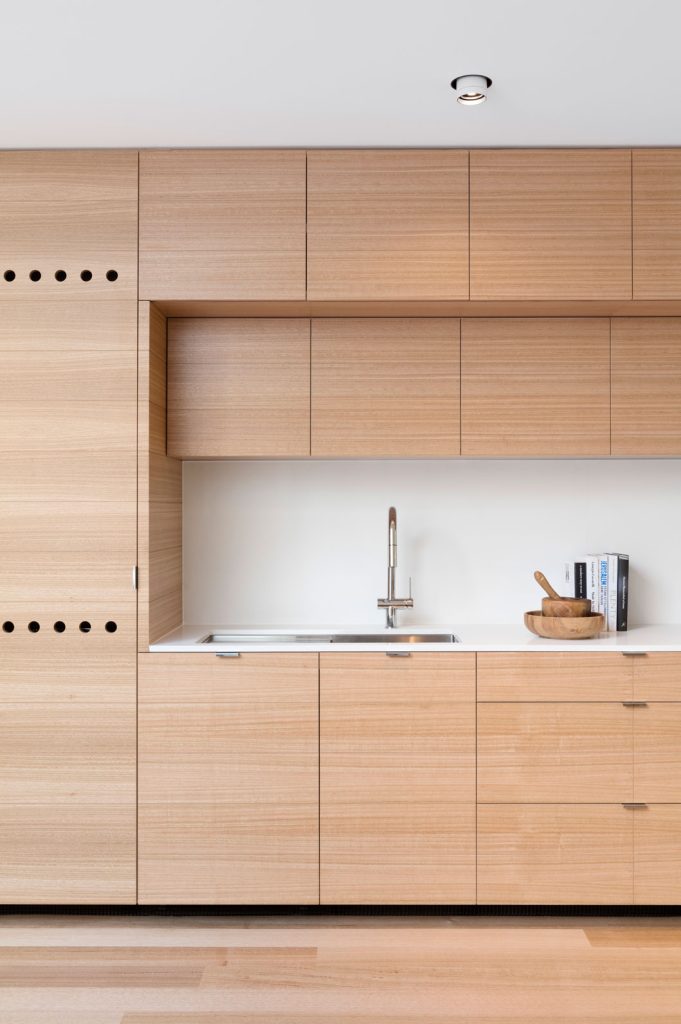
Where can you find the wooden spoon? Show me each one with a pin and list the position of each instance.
(546, 586)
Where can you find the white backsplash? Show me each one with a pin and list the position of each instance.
(305, 542)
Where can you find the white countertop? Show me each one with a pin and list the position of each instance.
(187, 639)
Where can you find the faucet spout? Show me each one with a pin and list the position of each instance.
(392, 603)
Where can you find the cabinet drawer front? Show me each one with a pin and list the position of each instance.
(567, 752)
(657, 753)
(646, 385)
(397, 770)
(553, 853)
(554, 676)
(657, 854)
(228, 779)
(657, 676)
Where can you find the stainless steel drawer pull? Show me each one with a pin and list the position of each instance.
(398, 654)
(634, 704)
(228, 654)
(634, 806)
(634, 654)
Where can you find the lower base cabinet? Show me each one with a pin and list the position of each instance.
(555, 853)
(657, 854)
(397, 777)
(228, 779)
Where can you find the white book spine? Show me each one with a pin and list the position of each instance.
(612, 592)
(569, 590)
(603, 585)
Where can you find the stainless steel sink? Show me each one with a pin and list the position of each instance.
(330, 638)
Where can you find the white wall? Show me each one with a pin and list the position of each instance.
(305, 542)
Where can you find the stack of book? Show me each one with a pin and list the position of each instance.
(605, 580)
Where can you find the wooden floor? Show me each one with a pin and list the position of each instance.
(297, 970)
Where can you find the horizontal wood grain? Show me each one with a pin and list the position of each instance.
(545, 752)
(657, 753)
(554, 676)
(68, 210)
(228, 779)
(67, 762)
(550, 224)
(385, 387)
(646, 386)
(535, 387)
(238, 388)
(387, 224)
(397, 763)
(555, 853)
(657, 675)
(656, 181)
(657, 854)
(222, 224)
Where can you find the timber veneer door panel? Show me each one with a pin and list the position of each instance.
(387, 224)
(554, 676)
(70, 211)
(657, 854)
(543, 752)
(657, 753)
(657, 676)
(646, 386)
(555, 853)
(228, 779)
(385, 387)
(67, 759)
(657, 223)
(222, 224)
(535, 386)
(238, 388)
(397, 778)
(550, 224)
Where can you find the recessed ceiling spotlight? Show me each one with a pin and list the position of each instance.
(471, 89)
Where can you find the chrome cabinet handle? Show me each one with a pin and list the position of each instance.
(228, 654)
(398, 654)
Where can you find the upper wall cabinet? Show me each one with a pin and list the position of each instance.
(387, 224)
(550, 224)
(222, 224)
(385, 387)
(238, 388)
(535, 386)
(646, 385)
(657, 223)
(68, 224)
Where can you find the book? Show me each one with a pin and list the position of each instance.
(611, 617)
(620, 585)
(592, 580)
(603, 586)
(575, 579)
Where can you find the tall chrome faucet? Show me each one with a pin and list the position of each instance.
(392, 603)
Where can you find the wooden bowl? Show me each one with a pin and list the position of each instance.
(558, 627)
(566, 607)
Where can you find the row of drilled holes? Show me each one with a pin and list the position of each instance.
(61, 275)
(60, 627)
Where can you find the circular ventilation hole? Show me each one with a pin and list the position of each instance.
(86, 275)
(35, 275)
(59, 627)
(112, 275)
(34, 627)
(111, 626)
(9, 275)
(8, 627)
(85, 627)
(60, 275)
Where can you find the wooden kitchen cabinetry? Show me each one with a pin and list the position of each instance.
(550, 224)
(385, 387)
(656, 180)
(579, 758)
(646, 386)
(397, 777)
(222, 224)
(387, 224)
(238, 388)
(228, 778)
(535, 386)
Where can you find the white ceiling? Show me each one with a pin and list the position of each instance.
(341, 73)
